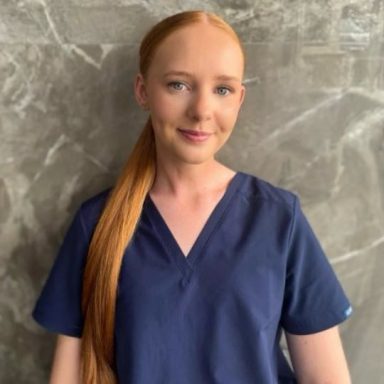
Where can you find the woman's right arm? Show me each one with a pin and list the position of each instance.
(66, 361)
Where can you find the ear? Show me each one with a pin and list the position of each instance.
(140, 90)
(242, 94)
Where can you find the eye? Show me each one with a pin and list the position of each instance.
(223, 91)
(176, 85)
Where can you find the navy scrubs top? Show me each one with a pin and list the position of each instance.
(215, 316)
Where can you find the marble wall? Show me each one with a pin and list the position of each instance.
(312, 122)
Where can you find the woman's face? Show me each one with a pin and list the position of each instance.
(194, 83)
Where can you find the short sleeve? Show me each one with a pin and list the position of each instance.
(314, 299)
(58, 308)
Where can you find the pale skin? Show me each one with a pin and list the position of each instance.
(207, 96)
(66, 361)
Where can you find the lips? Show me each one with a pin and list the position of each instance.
(195, 133)
(193, 136)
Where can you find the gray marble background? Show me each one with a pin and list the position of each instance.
(313, 122)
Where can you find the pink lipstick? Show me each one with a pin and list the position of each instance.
(194, 136)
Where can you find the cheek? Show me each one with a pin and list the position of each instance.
(228, 115)
(230, 107)
(167, 108)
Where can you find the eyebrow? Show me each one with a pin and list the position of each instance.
(186, 74)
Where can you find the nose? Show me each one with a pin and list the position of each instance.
(201, 106)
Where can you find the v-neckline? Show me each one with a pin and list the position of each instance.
(186, 263)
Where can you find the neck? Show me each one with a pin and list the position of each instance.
(189, 180)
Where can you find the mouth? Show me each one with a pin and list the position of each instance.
(194, 136)
(195, 133)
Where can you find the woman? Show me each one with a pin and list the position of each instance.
(187, 271)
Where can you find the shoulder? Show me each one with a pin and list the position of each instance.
(266, 207)
(91, 208)
(256, 190)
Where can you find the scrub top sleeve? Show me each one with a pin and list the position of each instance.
(314, 299)
(58, 308)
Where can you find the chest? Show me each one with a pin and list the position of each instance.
(229, 268)
(185, 223)
(185, 262)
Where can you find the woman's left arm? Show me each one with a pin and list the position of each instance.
(319, 358)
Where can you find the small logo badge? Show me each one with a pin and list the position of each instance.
(348, 311)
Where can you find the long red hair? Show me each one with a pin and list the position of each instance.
(118, 221)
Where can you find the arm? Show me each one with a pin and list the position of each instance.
(319, 358)
(66, 362)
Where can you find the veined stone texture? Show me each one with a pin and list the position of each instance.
(312, 122)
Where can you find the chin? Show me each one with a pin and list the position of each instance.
(195, 159)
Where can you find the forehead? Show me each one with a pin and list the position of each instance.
(201, 49)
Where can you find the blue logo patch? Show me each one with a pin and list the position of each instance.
(348, 311)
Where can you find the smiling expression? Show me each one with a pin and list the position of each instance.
(194, 83)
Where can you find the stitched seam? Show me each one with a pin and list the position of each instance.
(82, 222)
(293, 221)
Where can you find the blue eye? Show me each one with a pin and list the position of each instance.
(176, 85)
(226, 89)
